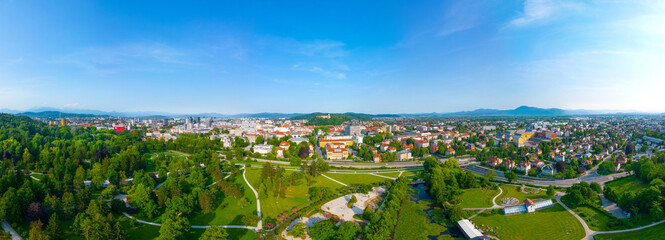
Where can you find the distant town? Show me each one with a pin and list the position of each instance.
(305, 176)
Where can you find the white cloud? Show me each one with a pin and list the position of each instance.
(135, 57)
(321, 71)
(73, 105)
(543, 10)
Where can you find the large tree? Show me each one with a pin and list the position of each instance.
(214, 233)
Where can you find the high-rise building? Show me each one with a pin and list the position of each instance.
(353, 130)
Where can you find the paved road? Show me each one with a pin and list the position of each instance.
(600, 179)
(8, 228)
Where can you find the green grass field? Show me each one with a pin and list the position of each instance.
(351, 179)
(232, 213)
(626, 184)
(513, 191)
(550, 223)
(396, 174)
(595, 219)
(177, 153)
(655, 232)
(296, 196)
(477, 198)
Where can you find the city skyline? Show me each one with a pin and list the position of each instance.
(304, 57)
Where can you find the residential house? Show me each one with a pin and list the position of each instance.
(404, 155)
(548, 169)
(377, 158)
(450, 151)
(263, 148)
(284, 145)
(510, 164)
(524, 166)
(494, 161)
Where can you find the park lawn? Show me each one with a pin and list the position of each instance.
(390, 174)
(478, 198)
(413, 223)
(513, 191)
(176, 153)
(233, 212)
(626, 184)
(351, 179)
(396, 174)
(550, 223)
(654, 232)
(596, 220)
(296, 196)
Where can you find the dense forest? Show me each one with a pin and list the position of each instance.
(81, 169)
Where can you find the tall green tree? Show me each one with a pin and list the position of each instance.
(214, 233)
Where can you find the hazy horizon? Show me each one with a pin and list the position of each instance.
(343, 56)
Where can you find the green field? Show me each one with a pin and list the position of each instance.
(550, 223)
(176, 153)
(478, 198)
(513, 191)
(296, 196)
(595, 219)
(396, 174)
(351, 179)
(232, 213)
(626, 184)
(655, 232)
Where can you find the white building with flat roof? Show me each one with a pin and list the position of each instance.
(263, 148)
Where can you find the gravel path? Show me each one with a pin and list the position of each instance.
(335, 180)
(8, 228)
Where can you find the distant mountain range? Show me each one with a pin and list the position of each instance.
(520, 111)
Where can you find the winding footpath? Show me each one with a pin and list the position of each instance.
(258, 227)
(590, 233)
(8, 228)
(494, 205)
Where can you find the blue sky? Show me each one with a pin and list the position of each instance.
(305, 56)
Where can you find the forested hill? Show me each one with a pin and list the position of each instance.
(337, 118)
(56, 114)
(21, 128)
